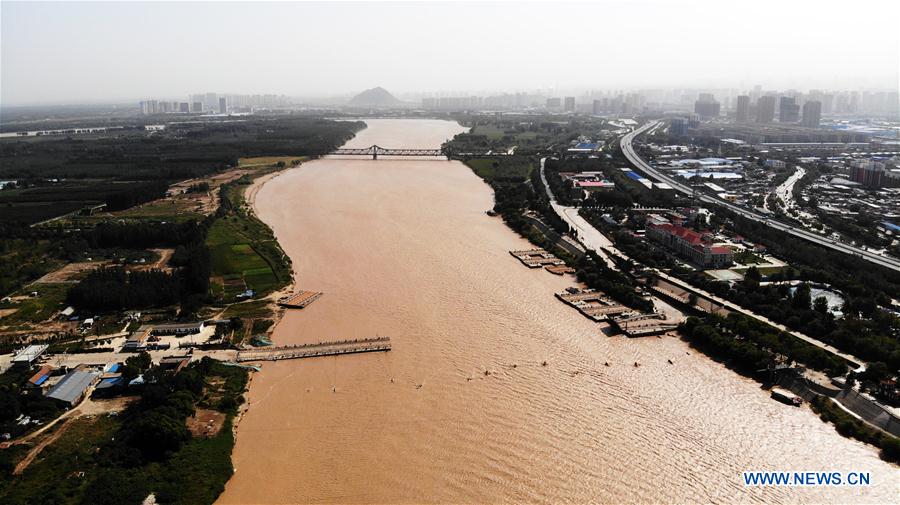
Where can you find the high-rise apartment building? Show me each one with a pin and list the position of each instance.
(679, 127)
(742, 114)
(570, 104)
(788, 110)
(812, 113)
(222, 106)
(868, 173)
(765, 109)
(706, 106)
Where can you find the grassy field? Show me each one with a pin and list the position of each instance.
(748, 258)
(34, 310)
(494, 133)
(72, 452)
(168, 209)
(252, 309)
(270, 160)
(492, 168)
(233, 255)
(762, 270)
(245, 254)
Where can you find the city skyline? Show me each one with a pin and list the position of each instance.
(297, 50)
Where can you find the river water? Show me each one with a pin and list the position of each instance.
(403, 248)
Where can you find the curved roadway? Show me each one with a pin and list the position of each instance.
(643, 166)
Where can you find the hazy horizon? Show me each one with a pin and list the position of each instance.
(117, 52)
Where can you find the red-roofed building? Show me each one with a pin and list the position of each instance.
(694, 246)
(595, 185)
(38, 379)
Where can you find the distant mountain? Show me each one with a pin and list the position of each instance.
(375, 97)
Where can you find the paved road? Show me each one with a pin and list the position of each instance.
(589, 236)
(594, 240)
(860, 364)
(628, 151)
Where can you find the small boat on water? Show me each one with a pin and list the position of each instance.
(787, 397)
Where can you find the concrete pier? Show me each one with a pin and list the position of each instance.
(317, 349)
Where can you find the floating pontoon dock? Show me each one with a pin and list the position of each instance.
(300, 300)
(536, 258)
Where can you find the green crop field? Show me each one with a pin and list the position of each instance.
(243, 253)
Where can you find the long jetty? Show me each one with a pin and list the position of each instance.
(378, 344)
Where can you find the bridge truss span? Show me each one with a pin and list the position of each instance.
(376, 151)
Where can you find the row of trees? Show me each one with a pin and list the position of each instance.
(749, 345)
(865, 330)
(153, 451)
(145, 192)
(143, 235)
(513, 197)
(109, 289)
(181, 151)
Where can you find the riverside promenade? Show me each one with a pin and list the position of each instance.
(594, 240)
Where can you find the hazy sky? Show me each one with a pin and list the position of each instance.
(71, 52)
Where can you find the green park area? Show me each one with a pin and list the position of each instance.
(243, 250)
(243, 254)
(495, 132)
(502, 169)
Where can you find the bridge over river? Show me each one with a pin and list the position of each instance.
(375, 151)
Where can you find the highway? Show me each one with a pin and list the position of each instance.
(640, 164)
(594, 240)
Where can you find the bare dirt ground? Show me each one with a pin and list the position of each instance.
(92, 407)
(182, 201)
(207, 203)
(69, 273)
(206, 423)
(160, 264)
